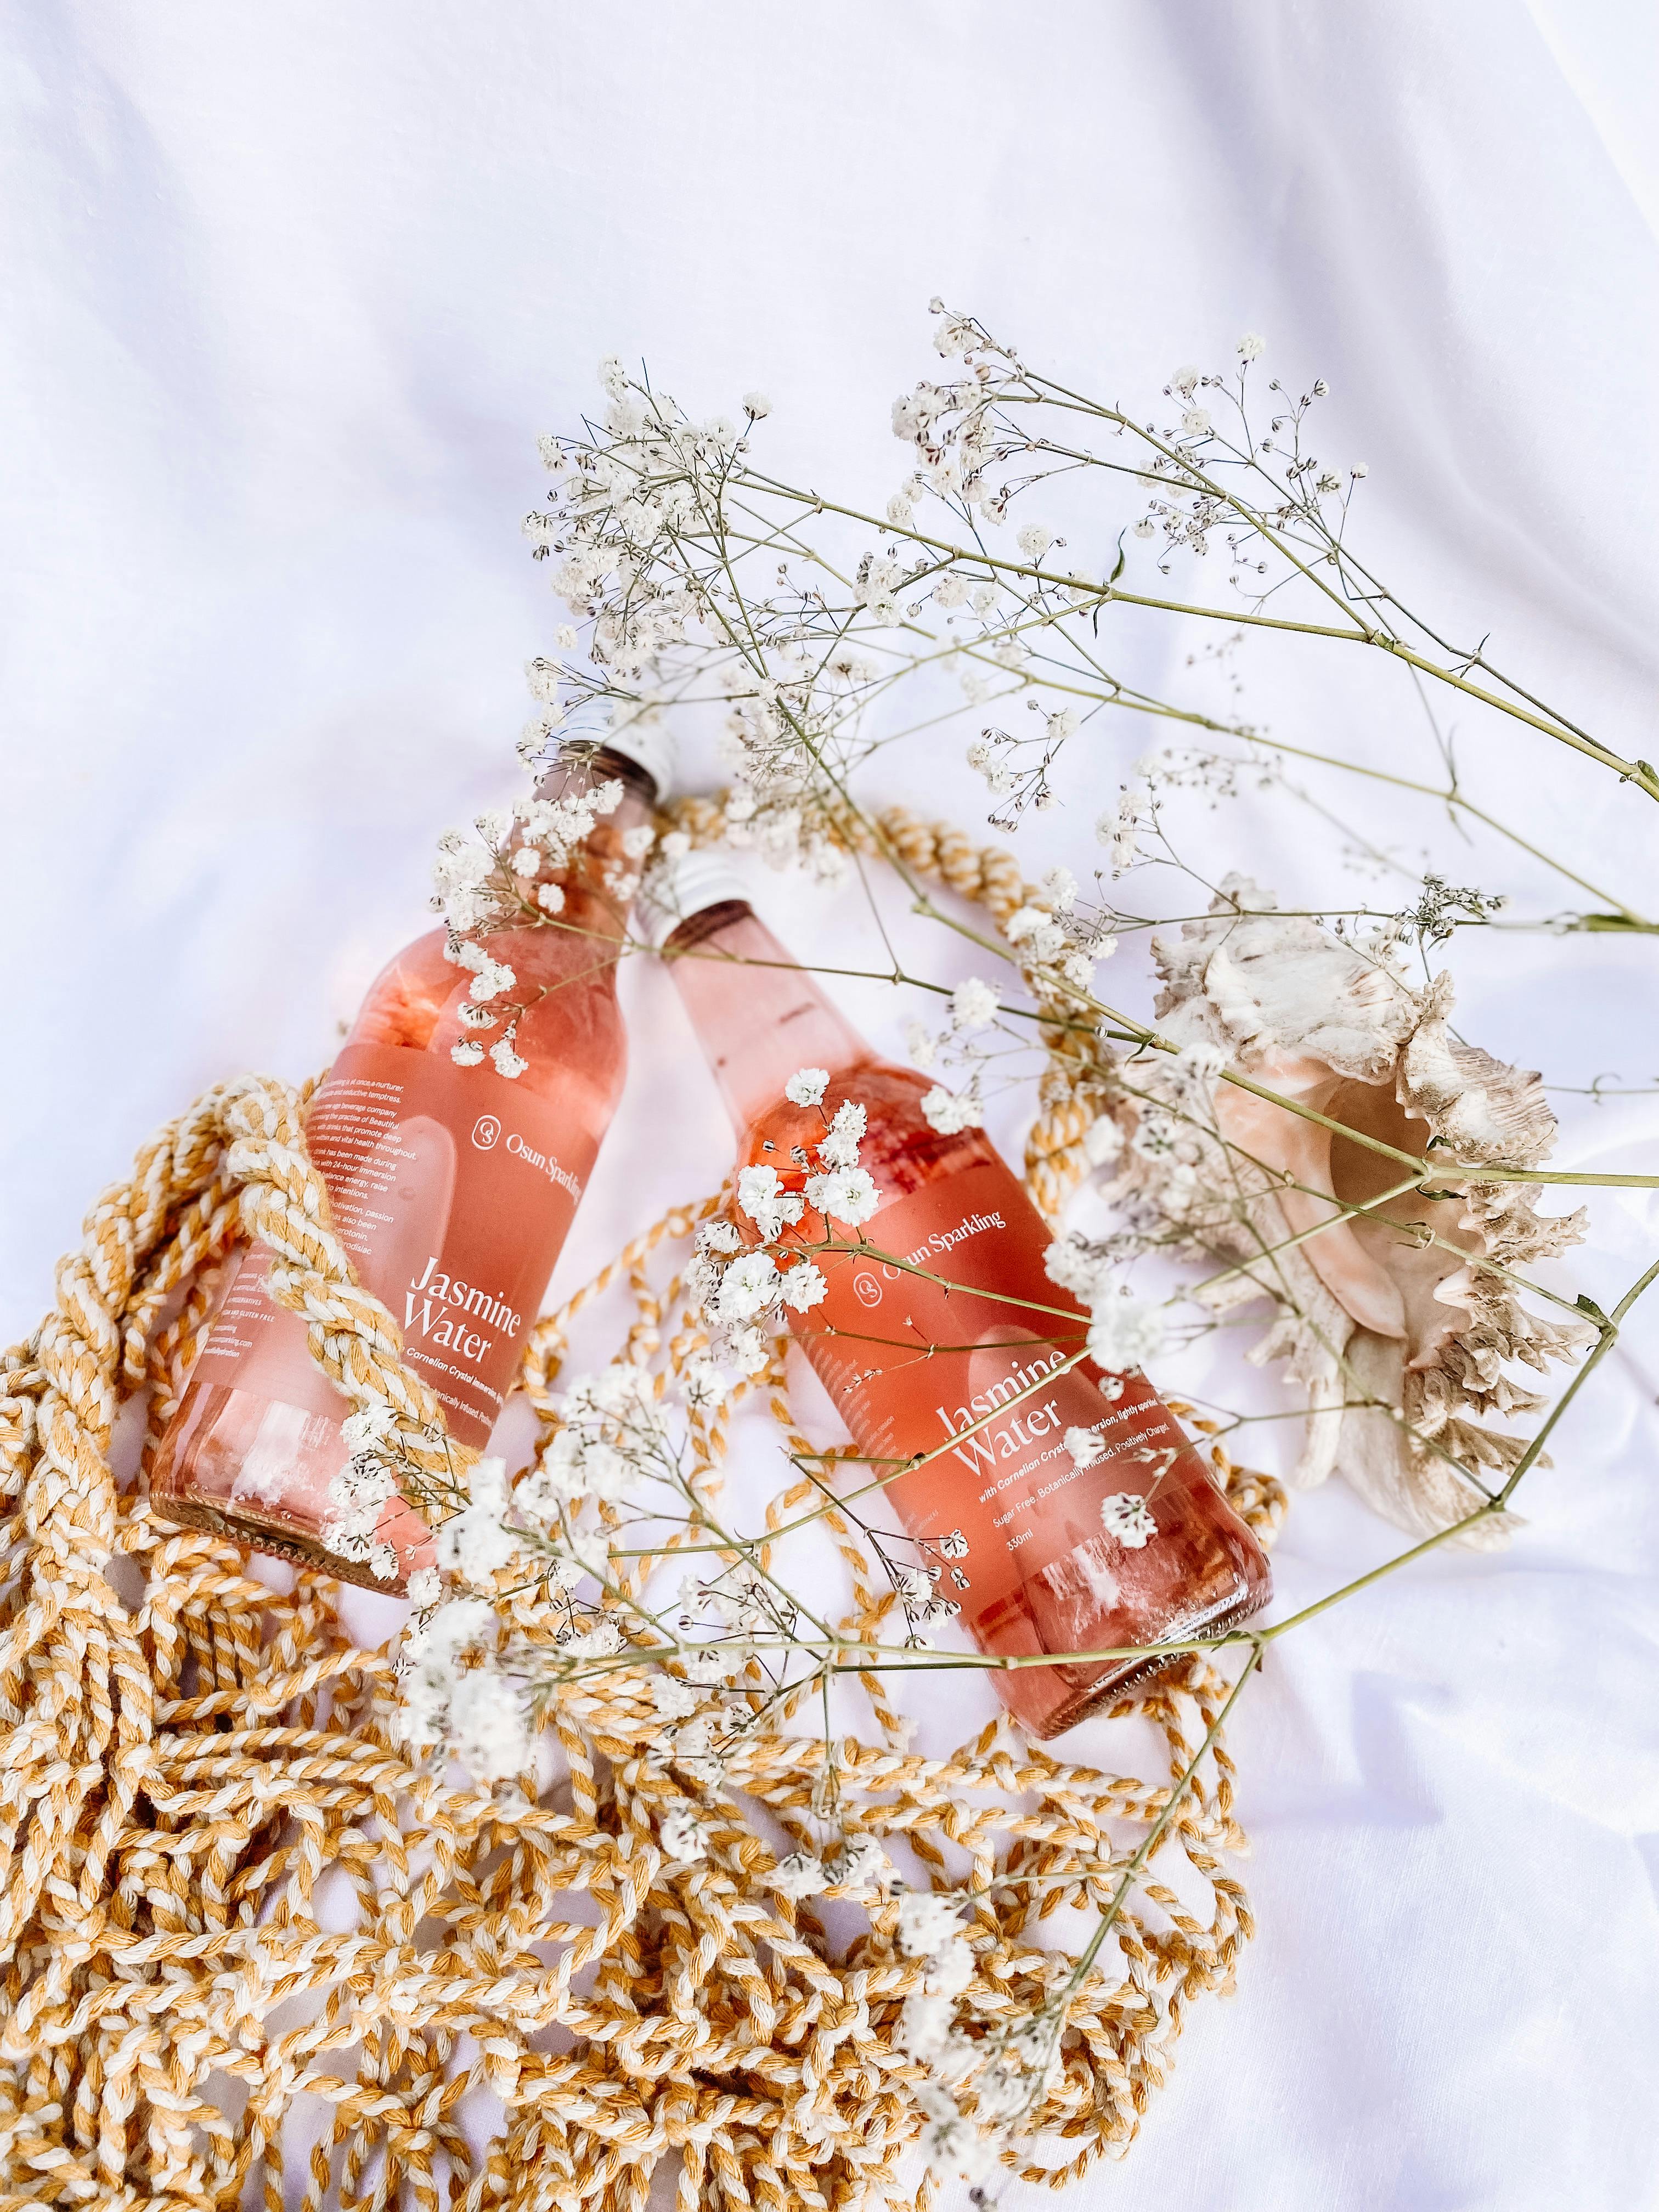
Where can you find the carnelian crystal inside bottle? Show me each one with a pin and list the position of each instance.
(453, 1187)
(969, 1388)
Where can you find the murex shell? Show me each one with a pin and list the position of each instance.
(1376, 1321)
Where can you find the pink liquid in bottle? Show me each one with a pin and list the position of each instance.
(453, 1187)
(969, 1388)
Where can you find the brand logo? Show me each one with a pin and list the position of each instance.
(867, 1290)
(550, 1168)
(485, 1132)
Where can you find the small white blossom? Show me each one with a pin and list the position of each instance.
(488, 1730)
(491, 980)
(1035, 541)
(1251, 347)
(840, 1147)
(674, 1701)
(926, 2026)
(951, 1112)
(473, 1543)
(1124, 1333)
(1060, 885)
(1103, 1141)
(1036, 931)
(1125, 1516)
(1085, 1447)
(1200, 1063)
(1069, 1262)
(551, 898)
(526, 861)
(764, 1199)
(597, 1641)
(799, 1876)
(757, 405)
(705, 1386)
(370, 1425)
(467, 1053)
(806, 1086)
(950, 1968)
(508, 1062)
(973, 1005)
(804, 1287)
(684, 1839)
(862, 1865)
(748, 1349)
(847, 1195)
(926, 1919)
(953, 2146)
(748, 1287)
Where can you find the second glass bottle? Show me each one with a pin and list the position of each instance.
(950, 1353)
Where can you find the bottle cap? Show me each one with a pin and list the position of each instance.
(676, 889)
(649, 743)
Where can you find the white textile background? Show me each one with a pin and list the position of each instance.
(288, 290)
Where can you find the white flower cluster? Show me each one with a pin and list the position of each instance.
(1017, 769)
(703, 1714)
(1125, 1332)
(491, 884)
(1194, 454)
(361, 1491)
(1170, 1178)
(952, 426)
(613, 1438)
(917, 1588)
(974, 1010)
(636, 531)
(1120, 828)
(744, 1292)
(482, 880)
(467, 1688)
(1005, 2075)
(457, 1696)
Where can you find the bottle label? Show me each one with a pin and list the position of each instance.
(453, 1190)
(972, 1370)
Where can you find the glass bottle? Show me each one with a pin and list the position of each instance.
(451, 1185)
(967, 1383)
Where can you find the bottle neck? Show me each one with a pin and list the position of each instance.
(758, 1016)
(601, 879)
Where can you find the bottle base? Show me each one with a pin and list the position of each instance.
(1138, 1673)
(276, 1541)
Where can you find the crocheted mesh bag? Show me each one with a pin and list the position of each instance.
(254, 1952)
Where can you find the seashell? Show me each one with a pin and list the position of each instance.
(1404, 1340)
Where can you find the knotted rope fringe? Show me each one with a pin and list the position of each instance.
(233, 1916)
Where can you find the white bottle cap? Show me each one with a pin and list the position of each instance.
(649, 743)
(676, 889)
